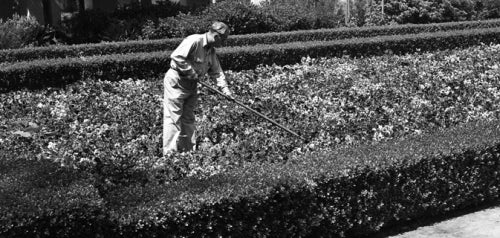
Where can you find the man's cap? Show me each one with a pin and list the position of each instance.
(220, 27)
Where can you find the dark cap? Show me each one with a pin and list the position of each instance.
(220, 27)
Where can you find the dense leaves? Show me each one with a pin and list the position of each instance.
(20, 31)
(340, 192)
(426, 11)
(63, 51)
(93, 149)
(331, 101)
(57, 72)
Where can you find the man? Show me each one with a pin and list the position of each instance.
(193, 58)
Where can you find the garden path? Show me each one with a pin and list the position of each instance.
(479, 224)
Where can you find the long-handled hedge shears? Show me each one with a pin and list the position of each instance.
(250, 109)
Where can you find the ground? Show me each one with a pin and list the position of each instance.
(479, 222)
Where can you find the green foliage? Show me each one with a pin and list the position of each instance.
(19, 31)
(235, 40)
(374, 16)
(182, 25)
(243, 17)
(343, 192)
(303, 15)
(56, 72)
(86, 158)
(87, 26)
(125, 23)
(418, 11)
(92, 123)
(37, 194)
(490, 9)
(289, 15)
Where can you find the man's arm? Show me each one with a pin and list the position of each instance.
(217, 73)
(180, 60)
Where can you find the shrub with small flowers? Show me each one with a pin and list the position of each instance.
(112, 130)
(331, 101)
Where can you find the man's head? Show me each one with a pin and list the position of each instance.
(218, 33)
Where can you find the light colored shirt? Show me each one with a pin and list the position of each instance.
(194, 55)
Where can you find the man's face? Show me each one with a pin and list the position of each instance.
(217, 39)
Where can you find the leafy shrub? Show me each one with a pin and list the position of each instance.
(301, 15)
(161, 9)
(490, 9)
(87, 26)
(133, 20)
(426, 11)
(20, 31)
(125, 23)
(243, 18)
(182, 25)
(344, 192)
(89, 154)
(235, 40)
(96, 124)
(56, 72)
(38, 194)
(374, 16)
(340, 193)
(288, 15)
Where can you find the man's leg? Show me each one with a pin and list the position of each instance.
(172, 110)
(187, 138)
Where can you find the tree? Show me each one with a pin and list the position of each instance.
(374, 15)
(490, 9)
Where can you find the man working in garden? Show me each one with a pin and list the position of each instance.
(193, 58)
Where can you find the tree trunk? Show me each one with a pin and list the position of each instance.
(47, 12)
(383, 4)
(81, 5)
(347, 12)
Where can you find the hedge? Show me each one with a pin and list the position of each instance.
(56, 72)
(26, 54)
(334, 193)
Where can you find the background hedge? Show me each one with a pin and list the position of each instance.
(63, 51)
(57, 72)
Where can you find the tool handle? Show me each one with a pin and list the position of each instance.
(252, 110)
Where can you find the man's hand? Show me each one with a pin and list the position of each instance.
(227, 92)
(193, 76)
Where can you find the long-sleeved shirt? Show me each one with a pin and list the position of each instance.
(194, 55)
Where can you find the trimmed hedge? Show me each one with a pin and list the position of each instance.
(237, 40)
(343, 192)
(56, 72)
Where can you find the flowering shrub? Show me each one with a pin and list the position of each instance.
(20, 31)
(109, 134)
(114, 128)
(243, 17)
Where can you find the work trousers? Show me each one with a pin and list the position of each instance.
(178, 115)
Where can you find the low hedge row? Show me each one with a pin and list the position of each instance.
(344, 192)
(237, 40)
(54, 72)
(334, 193)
